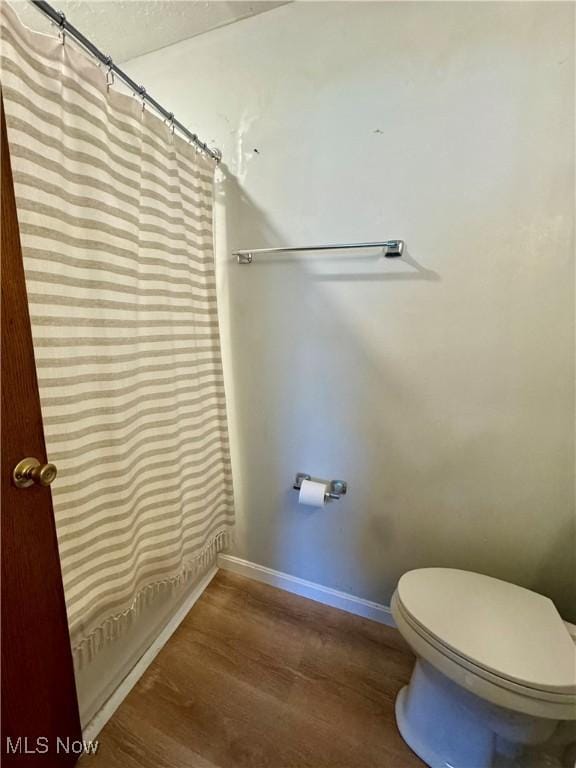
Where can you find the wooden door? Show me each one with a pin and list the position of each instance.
(39, 707)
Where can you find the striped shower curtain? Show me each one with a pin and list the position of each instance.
(115, 216)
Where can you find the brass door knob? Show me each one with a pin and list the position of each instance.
(30, 471)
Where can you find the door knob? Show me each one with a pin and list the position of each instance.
(30, 471)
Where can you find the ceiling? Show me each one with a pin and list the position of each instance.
(125, 29)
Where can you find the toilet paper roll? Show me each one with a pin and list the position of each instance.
(312, 493)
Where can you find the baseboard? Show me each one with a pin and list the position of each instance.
(309, 589)
(104, 714)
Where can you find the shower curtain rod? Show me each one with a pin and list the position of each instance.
(60, 19)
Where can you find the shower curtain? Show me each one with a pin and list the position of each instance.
(115, 215)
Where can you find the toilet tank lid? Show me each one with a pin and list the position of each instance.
(511, 631)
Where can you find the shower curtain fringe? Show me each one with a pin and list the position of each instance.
(113, 627)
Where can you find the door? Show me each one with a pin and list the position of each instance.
(40, 717)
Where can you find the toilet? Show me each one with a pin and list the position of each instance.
(495, 669)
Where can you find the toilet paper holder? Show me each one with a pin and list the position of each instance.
(336, 488)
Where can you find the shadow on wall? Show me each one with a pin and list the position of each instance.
(555, 576)
(247, 221)
(319, 386)
(242, 335)
(416, 272)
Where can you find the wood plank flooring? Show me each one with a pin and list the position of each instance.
(257, 678)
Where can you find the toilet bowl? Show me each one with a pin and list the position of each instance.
(495, 669)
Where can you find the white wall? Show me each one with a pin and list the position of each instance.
(440, 387)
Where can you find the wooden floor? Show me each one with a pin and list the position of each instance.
(257, 678)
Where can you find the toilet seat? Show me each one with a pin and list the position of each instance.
(503, 642)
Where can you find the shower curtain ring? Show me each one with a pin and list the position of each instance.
(109, 72)
(142, 94)
(171, 122)
(62, 26)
